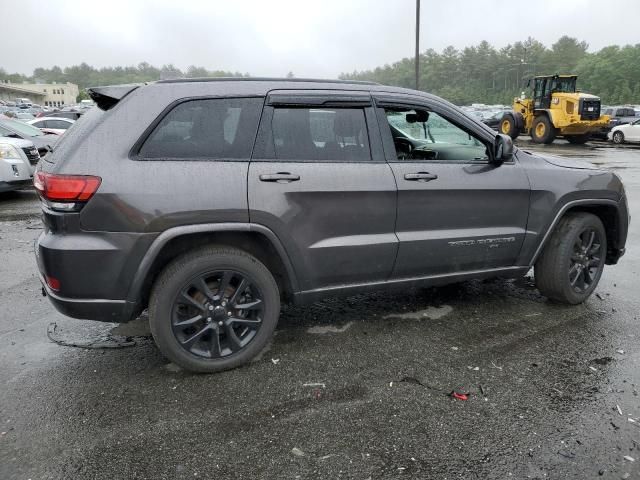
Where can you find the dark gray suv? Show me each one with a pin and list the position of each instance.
(210, 202)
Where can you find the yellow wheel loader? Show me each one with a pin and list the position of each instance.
(556, 109)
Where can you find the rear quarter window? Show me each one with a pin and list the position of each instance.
(76, 133)
(212, 129)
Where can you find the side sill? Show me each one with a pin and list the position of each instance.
(310, 296)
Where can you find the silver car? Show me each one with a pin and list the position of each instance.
(17, 163)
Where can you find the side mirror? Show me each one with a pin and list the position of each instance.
(502, 149)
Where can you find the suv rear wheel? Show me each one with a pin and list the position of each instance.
(213, 309)
(571, 263)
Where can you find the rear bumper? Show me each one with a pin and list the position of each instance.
(116, 311)
(94, 270)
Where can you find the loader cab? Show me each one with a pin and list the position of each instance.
(545, 87)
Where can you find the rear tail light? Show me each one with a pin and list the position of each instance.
(52, 282)
(65, 192)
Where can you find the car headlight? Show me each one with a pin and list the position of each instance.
(8, 151)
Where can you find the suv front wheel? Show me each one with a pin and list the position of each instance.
(572, 261)
(213, 309)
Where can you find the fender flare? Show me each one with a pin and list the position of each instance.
(171, 233)
(561, 212)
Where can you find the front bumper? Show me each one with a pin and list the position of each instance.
(15, 185)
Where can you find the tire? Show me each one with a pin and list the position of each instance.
(557, 266)
(542, 131)
(508, 126)
(578, 139)
(235, 321)
(618, 138)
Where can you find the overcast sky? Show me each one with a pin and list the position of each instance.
(319, 38)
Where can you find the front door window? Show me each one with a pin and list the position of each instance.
(424, 135)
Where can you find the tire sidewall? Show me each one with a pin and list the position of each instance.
(618, 137)
(548, 133)
(174, 279)
(512, 124)
(587, 221)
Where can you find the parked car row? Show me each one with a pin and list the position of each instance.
(24, 139)
(43, 141)
(23, 109)
(619, 115)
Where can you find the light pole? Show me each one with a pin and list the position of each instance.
(417, 44)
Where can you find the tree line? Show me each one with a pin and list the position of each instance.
(85, 75)
(475, 74)
(484, 74)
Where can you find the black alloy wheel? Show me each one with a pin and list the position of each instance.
(214, 308)
(217, 314)
(586, 261)
(573, 259)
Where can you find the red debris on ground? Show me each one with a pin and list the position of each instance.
(459, 396)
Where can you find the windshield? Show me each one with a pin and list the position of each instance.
(563, 85)
(22, 128)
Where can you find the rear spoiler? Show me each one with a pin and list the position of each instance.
(107, 97)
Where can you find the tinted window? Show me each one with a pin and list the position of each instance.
(216, 128)
(319, 134)
(60, 124)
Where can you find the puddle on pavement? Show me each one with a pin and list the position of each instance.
(93, 335)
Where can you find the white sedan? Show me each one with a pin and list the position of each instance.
(57, 125)
(629, 132)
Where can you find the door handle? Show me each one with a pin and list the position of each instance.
(420, 176)
(280, 177)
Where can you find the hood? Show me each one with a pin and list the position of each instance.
(568, 162)
(47, 141)
(16, 142)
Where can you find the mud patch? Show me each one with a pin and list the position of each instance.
(324, 329)
(430, 313)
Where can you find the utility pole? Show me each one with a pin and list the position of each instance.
(417, 44)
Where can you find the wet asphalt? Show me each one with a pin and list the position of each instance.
(349, 388)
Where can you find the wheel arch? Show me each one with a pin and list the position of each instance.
(255, 239)
(606, 210)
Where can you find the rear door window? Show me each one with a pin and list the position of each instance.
(205, 129)
(329, 134)
(59, 124)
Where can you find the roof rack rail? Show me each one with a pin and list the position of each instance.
(264, 79)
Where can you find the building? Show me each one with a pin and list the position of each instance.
(10, 91)
(55, 94)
